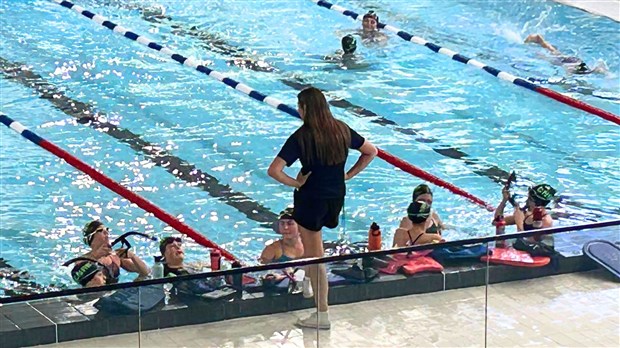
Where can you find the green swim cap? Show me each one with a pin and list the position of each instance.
(85, 272)
(418, 212)
(349, 44)
(542, 194)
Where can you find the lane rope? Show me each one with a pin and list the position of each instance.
(178, 167)
(114, 186)
(502, 75)
(194, 64)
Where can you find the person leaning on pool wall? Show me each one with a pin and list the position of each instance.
(97, 236)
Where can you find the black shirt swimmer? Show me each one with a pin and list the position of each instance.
(572, 64)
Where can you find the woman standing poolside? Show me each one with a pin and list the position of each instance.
(322, 145)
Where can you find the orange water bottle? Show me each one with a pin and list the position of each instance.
(374, 237)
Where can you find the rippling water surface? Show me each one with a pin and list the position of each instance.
(454, 121)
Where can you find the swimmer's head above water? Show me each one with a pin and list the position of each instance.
(370, 21)
(349, 44)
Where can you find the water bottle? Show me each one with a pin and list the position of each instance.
(216, 258)
(157, 271)
(500, 229)
(374, 237)
(237, 280)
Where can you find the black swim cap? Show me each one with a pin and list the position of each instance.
(418, 212)
(420, 190)
(286, 214)
(582, 69)
(541, 194)
(349, 44)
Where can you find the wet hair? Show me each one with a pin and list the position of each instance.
(349, 44)
(541, 194)
(322, 138)
(89, 231)
(418, 212)
(420, 190)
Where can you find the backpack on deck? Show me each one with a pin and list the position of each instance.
(132, 300)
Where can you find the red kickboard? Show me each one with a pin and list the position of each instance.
(422, 264)
(514, 257)
(413, 263)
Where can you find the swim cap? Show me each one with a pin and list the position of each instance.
(542, 194)
(284, 214)
(89, 230)
(349, 44)
(418, 212)
(420, 190)
(373, 15)
(582, 69)
(85, 272)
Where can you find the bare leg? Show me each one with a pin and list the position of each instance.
(313, 247)
(538, 39)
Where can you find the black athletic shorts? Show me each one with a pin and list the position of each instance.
(314, 214)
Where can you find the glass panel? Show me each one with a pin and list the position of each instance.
(95, 318)
(567, 301)
(253, 309)
(397, 300)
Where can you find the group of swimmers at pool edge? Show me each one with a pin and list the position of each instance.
(322, 145)
(318, 200)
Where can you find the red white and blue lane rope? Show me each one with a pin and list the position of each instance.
(194, 64)
(113, 185)
(502, 75)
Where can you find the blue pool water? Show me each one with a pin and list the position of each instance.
(45, 202)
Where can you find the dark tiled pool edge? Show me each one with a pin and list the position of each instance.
(33, 324)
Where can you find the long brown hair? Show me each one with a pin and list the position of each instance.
(322, 137)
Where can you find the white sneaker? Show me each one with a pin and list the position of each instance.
(308, 293)
(316, 320)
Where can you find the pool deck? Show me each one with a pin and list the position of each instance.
(607, 8)
(577, 309)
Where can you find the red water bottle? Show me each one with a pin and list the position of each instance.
(374, 237)
(537, 217)
(500, 229)
(216, 259)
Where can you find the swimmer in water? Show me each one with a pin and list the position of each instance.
(347, 58)
(370, 32)
(572, 64)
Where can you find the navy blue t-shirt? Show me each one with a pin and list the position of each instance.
(325, 181)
